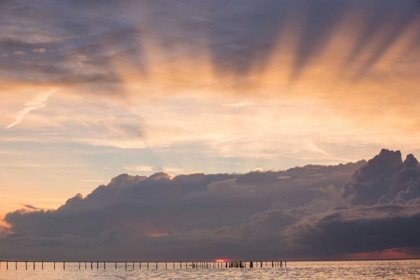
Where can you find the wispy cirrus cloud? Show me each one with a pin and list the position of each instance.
(38, 102)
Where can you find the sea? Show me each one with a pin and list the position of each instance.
(404, 269)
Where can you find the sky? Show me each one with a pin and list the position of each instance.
(94, 89)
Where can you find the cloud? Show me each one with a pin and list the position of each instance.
(239, 38)
(41, 50)
(239, 105)
(31, 207)
(140, 168)
(382, 178)
(253, 215)
(38, 102)
(185, 65)
(226, 53)
(150, 211)
(361, 229)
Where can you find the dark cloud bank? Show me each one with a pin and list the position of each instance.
(304, 212)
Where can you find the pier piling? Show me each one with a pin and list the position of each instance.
(158, 265)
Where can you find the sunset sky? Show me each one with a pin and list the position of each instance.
(94, 89)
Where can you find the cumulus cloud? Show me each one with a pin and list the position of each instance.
(163, 209)
(382, 178)
(296, 213)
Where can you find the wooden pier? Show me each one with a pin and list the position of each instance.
(131, 265)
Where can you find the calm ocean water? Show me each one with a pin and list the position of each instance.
(303, 270)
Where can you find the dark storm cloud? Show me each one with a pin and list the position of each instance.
(382, 178)
(361, 229)
(161, 203)
(182, 206)
(297, 213)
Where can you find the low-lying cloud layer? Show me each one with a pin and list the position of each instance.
(303, 212)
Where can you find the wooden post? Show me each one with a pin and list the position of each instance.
(16, 265)
(140, 265)
(147, 265)
(7, 265)
(115, 265)
(64, 265)
(34, 265)
(85, 265)
(173, 264)
(156, 265)
(79, 265)
(97, 265)
(104, 266)
(125, 265)
(54, 265)
(133, 265)
(91, 265)
(26, 264)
